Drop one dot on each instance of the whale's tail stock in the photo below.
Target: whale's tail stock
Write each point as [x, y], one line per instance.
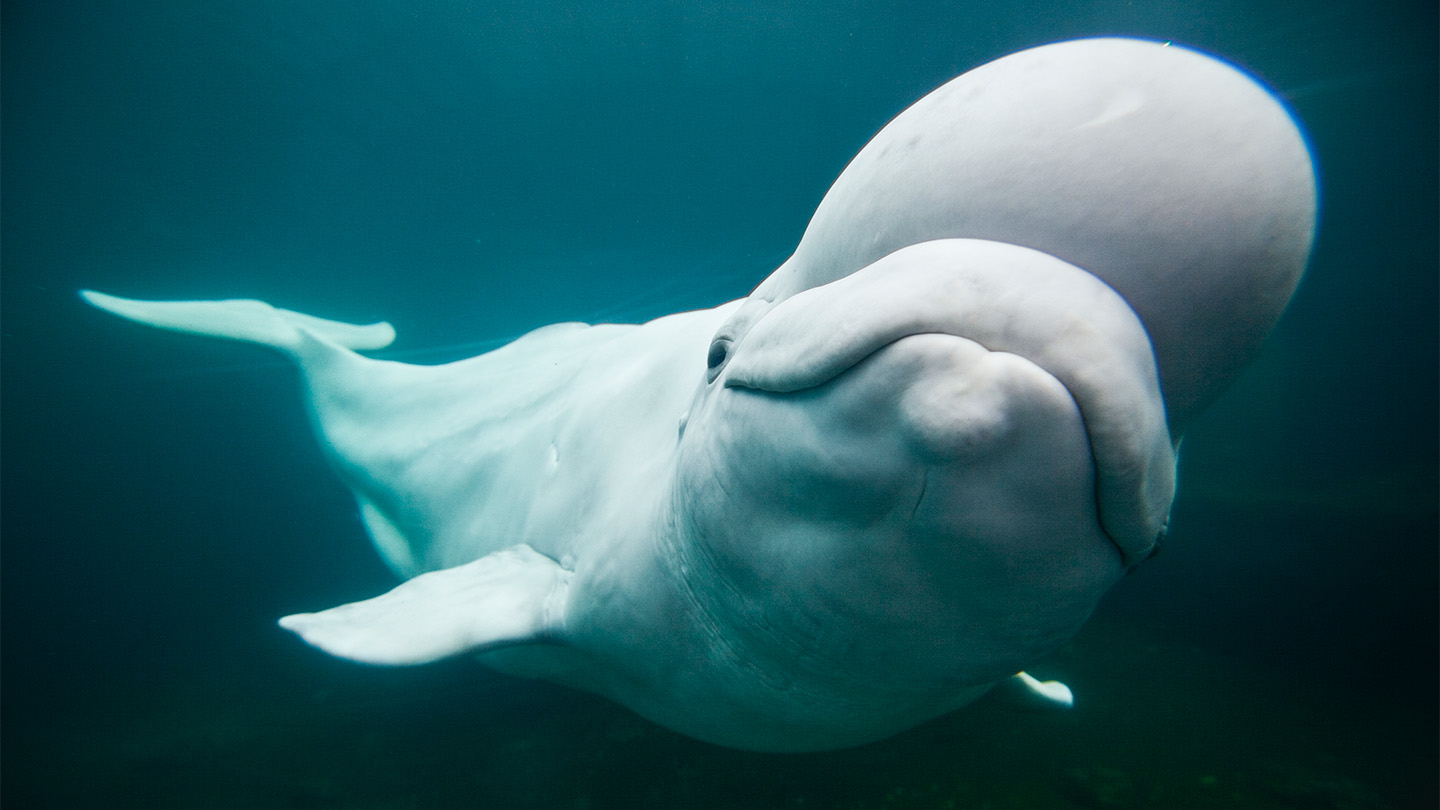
[512, 596]
[351, 397]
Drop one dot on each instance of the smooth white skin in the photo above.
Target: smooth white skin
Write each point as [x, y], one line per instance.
[904, 520]
[915, 461]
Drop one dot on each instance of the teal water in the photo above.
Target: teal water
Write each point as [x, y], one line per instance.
[469, 172]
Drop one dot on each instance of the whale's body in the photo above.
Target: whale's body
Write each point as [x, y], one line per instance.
[906, 466]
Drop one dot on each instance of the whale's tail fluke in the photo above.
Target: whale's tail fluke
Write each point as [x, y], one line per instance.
[358, 404]
[246, 320]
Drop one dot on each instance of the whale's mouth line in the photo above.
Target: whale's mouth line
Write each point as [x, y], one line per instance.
[836, 371]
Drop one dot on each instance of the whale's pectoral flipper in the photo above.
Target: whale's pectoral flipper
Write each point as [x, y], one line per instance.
[513, 596]
[1024, 692]
[247, 320]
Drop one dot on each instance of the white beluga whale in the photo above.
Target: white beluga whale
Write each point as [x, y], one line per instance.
[904, 468]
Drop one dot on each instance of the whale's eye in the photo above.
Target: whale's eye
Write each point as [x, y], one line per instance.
[718, 350]
[719, 353]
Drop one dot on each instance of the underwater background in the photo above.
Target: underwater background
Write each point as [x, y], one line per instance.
[470, 171]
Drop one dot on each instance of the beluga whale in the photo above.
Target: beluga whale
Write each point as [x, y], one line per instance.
[904, 468]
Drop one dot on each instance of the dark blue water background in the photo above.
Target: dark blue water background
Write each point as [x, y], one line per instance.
[472, 171]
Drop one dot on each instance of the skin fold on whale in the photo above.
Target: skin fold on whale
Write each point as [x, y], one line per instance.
[905, 467]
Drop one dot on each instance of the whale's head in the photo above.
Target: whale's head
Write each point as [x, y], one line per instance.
[939, 463]
[946, 425]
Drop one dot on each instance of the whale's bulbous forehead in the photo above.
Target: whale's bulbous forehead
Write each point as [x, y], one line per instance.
[1174, 177]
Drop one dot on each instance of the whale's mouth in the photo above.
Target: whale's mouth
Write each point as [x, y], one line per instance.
[1008, 299]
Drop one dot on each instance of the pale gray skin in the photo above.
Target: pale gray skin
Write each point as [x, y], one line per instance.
[907, 466]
